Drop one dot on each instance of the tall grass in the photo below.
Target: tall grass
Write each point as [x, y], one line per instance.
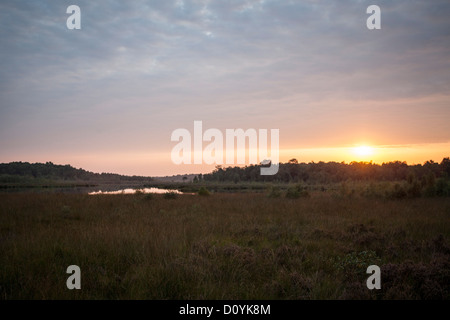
[225, 246]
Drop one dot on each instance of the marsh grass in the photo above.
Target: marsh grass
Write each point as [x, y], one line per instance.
[225, 246]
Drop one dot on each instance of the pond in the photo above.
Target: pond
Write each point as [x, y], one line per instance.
[91, 190]
[132, 191]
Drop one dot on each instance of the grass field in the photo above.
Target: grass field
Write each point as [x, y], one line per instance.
[223, 246]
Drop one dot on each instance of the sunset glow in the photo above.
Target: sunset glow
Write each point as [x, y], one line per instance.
[111, 102]
[363, 151]
[263, 150]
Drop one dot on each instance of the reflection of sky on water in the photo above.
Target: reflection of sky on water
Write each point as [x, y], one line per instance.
[131, 191]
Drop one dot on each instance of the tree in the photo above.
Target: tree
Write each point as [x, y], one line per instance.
[445, 165]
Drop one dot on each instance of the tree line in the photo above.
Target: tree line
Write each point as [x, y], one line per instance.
[10, 172]
[332, 172]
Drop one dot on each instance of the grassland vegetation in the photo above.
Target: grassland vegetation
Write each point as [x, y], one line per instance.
[226, 245]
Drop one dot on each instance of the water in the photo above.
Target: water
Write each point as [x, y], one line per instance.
[90, 190]
[132, 191]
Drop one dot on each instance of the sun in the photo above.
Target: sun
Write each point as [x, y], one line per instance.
[363, 151]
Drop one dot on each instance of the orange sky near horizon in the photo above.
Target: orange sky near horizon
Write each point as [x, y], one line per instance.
[108, 99]
[160, 164]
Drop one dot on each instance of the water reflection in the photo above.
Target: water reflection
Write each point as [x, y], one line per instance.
[132, 191]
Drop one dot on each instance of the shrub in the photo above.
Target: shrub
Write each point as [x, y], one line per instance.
[292, 193]
[345, 190]
[149, 196]
[203, 192]
[304, 193]
[414, 189]
[298, 191]
[442, 187]
[397, 192]
[357, 262]
[275, 192]
[170, 195]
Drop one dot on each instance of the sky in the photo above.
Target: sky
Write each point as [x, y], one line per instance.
[108, 96]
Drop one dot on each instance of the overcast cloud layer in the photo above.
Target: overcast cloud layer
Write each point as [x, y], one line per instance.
[137, 70]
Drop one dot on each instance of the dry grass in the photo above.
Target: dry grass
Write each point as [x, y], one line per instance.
[225, 246]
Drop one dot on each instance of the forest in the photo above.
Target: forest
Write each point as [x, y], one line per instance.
[392, 179]
[25, 172]
[333, 172]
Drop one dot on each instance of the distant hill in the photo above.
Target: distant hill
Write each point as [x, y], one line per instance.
[25, 172]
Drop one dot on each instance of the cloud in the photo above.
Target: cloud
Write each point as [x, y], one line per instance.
[145, 68]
